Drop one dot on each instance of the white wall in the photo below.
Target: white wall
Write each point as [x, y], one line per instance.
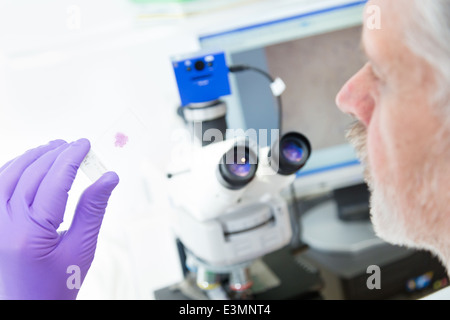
[83, 68]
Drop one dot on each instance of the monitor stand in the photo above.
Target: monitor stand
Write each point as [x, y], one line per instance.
[324, 230]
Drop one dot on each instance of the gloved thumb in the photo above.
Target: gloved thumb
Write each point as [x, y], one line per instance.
[89, 213]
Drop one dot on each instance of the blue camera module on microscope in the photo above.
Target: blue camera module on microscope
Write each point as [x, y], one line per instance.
[201, 77]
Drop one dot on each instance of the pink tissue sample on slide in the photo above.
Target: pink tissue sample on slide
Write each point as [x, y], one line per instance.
[121, 140]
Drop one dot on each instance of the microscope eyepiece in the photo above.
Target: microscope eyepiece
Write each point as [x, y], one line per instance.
[237, 167]
[291, 153]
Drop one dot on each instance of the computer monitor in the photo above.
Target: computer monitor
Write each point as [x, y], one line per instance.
[314, 49]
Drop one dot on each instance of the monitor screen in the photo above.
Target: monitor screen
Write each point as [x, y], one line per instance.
[314, 69]
[314, 53]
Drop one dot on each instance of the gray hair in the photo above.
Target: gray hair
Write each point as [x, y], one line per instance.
[429, 38]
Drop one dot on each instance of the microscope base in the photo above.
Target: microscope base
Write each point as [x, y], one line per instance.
[295, 280]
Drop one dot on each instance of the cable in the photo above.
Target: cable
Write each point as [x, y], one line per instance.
[241, 68]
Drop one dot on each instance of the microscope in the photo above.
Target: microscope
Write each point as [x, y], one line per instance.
[227, 208]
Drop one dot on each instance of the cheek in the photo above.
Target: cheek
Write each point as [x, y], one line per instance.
[390, 145]
[379, 144]
[375, 151]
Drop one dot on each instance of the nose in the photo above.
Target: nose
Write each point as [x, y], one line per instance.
[356, 96]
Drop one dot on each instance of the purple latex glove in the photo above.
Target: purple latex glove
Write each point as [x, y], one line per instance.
[36, 261]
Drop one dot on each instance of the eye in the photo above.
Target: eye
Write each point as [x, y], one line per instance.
[376, 74]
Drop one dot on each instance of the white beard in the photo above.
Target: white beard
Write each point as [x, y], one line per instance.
[414, 215]
[388, 217]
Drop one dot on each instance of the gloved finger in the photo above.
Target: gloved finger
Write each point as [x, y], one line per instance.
[51, 197]
[7, 164]
[11, 174]
[33, 175]
[89, 213]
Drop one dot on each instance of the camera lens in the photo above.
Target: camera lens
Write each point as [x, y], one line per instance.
[290, 154]
[199, 65]
[237, 168]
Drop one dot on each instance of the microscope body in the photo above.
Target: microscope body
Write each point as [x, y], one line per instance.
[227, 207]
[229, 227]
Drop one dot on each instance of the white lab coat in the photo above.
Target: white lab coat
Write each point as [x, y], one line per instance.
[443, 294]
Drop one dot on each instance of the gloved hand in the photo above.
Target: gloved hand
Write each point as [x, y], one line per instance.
[36, 261]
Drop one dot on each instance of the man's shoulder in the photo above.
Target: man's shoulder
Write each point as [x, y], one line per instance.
[443, 294]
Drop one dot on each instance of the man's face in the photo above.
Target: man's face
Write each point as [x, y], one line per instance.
[399, 134]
